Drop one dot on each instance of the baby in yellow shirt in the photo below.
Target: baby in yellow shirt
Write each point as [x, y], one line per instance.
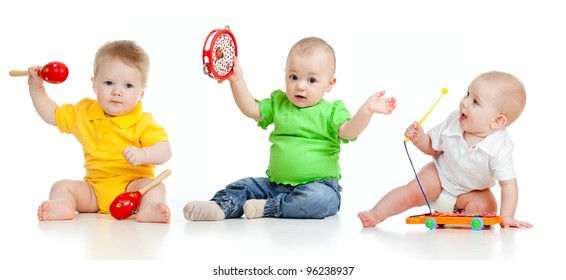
[121, 144]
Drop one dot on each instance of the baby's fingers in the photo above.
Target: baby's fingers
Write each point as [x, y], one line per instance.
[511, 222]
[128, 153]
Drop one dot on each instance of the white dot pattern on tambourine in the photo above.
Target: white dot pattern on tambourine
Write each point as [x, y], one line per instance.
[223, 53]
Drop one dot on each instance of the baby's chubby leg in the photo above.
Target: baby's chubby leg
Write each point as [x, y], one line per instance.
[66, 197]
[152, 208]
[404, 198]
[477, 201]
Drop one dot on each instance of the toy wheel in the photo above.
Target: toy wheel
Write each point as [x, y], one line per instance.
[476, 223]
[430, 223]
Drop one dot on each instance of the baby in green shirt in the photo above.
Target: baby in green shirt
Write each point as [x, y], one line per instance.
[303, 172]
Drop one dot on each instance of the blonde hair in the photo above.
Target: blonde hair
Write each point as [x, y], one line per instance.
[310, 45]
[128, 52]
[513, 97]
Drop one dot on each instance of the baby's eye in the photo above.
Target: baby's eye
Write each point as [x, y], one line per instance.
[108, 83]
[475, 101]
[129, 86]
[293, 77]
[312, 80]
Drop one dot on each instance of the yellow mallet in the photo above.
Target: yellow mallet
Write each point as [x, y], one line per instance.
[444, 91]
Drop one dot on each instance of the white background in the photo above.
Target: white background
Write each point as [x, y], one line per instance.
[411, 49]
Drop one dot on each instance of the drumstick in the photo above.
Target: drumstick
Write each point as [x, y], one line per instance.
[156, 181]
[444, 91]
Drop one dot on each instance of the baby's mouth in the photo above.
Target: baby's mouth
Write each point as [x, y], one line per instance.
[300, 97]
[463, 117]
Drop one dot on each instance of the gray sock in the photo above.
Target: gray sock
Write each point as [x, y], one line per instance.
[253, 208]
[203, 211]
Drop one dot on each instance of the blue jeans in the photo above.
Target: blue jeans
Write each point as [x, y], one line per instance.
[313, 200]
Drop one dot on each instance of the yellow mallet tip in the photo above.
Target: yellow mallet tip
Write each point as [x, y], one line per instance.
[444, 91]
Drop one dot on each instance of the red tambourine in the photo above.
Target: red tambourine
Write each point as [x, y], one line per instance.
[218, 54]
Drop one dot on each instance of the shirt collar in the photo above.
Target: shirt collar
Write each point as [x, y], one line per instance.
[494, 143]
[124, 121]
[491, 144]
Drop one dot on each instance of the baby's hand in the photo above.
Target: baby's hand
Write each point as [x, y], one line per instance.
[237, 72]
[135, 156]
[376, 104]
[512, 222]
[34, 81]
[415, 132]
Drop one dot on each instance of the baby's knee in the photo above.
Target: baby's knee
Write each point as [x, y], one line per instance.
[321, 192]
[62, 185]
[486, 204]
[323, 202]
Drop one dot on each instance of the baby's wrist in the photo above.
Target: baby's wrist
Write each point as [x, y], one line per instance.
[144, 155]
[36, 89]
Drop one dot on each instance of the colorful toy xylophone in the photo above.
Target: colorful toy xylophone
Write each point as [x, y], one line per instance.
[476, 220]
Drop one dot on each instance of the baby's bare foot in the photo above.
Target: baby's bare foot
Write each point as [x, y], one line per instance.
[154, 212]
[369, 218]
[203, 211]
[53, 210]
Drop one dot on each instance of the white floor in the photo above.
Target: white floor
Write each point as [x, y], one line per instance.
[95, 236]
[186, 249]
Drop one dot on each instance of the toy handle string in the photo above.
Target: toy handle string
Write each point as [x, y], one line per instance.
[444, 91]
[417, 178]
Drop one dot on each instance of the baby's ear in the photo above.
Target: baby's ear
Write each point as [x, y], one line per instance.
[331, 84]
[499, 122]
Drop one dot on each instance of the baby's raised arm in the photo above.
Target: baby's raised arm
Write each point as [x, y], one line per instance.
[44, 106]
[242, 96]
[358, 123]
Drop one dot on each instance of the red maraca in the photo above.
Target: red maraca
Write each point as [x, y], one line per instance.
[126, 204]
[54, 72]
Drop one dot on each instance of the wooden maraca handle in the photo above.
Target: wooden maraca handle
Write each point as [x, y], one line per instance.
[19, 73]
[156, 181]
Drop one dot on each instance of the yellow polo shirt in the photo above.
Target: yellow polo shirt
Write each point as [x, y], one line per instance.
[103, 139]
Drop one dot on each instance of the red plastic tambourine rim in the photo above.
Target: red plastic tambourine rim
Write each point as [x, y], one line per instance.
[218, 61]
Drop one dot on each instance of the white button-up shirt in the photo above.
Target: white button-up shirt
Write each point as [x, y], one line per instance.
[462, 168]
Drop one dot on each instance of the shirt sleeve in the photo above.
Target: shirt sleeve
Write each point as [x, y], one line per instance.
[338, 116]
[502, 164]
[152, 132]
[65, 117]
[266, 107]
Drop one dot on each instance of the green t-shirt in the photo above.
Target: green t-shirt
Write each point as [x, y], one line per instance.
[305, 142]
